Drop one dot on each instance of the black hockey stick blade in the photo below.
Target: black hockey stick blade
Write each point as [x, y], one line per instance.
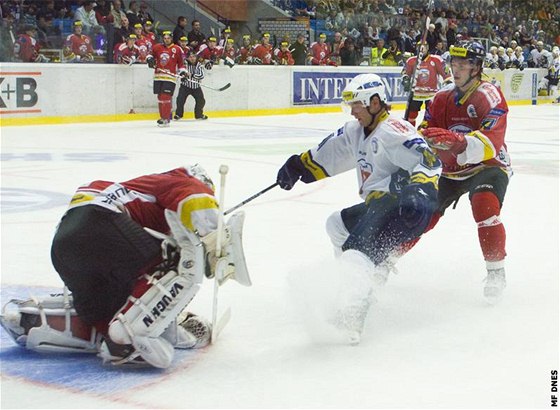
[225, 87]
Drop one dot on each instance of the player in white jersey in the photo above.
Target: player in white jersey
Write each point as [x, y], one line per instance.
[398, 181]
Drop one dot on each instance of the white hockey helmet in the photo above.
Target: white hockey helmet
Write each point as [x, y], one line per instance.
[362, 88]
[200, 173]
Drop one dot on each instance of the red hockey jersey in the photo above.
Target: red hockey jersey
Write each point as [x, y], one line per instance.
[168, 58]
[146, 198]
[26, 49]
[428, 75]
[481, 115]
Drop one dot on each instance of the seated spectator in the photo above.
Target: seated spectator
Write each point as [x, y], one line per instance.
[86, 15]
[118, 14]
[122, 33]
[78, 47]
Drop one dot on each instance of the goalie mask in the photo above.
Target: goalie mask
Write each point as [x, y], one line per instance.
[200, 173]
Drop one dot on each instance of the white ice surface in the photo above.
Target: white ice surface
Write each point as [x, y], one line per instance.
[430, 342]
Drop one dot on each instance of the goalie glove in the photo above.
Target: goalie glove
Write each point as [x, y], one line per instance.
[150, 60]
[443, 139]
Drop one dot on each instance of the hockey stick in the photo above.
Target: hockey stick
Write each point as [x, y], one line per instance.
[251, 198]
[419, 58]
[221, 264]
[222, 88]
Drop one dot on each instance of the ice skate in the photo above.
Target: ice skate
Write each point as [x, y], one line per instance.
[494, 286]
[162, 123]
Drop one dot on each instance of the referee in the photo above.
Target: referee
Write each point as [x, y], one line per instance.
[190, 85]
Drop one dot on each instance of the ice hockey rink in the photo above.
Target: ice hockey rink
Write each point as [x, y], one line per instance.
[431, 341]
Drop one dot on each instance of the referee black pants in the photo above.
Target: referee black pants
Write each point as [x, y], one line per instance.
[199, 101]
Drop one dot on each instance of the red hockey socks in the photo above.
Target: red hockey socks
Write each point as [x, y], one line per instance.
[491, 233]
[412, 115]
[164, 105]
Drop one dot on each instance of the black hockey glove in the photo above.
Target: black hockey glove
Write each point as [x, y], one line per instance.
[416, 205]
[208, 65]
[151, 62]
[291, 172]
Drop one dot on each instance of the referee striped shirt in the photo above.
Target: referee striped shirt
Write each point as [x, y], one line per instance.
[196, 75]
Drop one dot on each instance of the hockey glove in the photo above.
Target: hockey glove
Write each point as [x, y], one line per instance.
[406, 83]
[151, 62]
[417, 203]
[443, 139]
[208, 65]
[291, 172]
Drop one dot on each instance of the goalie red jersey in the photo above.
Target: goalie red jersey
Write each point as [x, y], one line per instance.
[427, 75]
[483, 121]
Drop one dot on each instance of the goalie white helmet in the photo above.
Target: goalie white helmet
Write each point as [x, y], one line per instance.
[200, 173]
[362, 88]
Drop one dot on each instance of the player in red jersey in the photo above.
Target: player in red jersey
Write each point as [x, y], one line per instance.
[126, 53]
[142, 42]
[133, 254]
[319, 52]
[466, 124]
[167, 59]
[245, 51]
[263, 52]
[432, 68]
[77, 47]
[26, 47]
[283, 55]
[208, 54]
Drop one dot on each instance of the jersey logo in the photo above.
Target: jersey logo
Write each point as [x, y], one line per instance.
[491, 94]
[429, 159]
[471, 111]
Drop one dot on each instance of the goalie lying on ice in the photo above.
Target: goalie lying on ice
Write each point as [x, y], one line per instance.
[134, 255]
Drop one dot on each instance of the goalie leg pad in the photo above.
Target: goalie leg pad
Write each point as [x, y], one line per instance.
[142, 320]
[48, 325]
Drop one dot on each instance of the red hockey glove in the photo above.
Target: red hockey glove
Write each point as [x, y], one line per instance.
[443, 139]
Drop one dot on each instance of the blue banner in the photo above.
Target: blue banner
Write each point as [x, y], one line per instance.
[320, 88]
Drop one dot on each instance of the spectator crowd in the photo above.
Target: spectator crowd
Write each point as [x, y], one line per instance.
[347, 32]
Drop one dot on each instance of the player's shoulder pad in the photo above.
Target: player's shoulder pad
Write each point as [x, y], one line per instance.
[490, 93]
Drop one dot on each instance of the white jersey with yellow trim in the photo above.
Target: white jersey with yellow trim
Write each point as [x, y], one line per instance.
[379, 158]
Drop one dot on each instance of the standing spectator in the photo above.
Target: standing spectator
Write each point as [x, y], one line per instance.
[190, 85]
[195, 36]
[78, 47]
[282, 55]
[469, 136]
[86, 15]
[392, 56]
[349, 55]
[167, 61]
[432, 37]
[26, 47]
[262, 53]
[299, 50]
[335, 46]
[180, 29]
[133, 13]
[144, 13]
[378, 52]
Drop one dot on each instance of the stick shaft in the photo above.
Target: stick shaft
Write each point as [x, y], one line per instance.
[251, 198]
